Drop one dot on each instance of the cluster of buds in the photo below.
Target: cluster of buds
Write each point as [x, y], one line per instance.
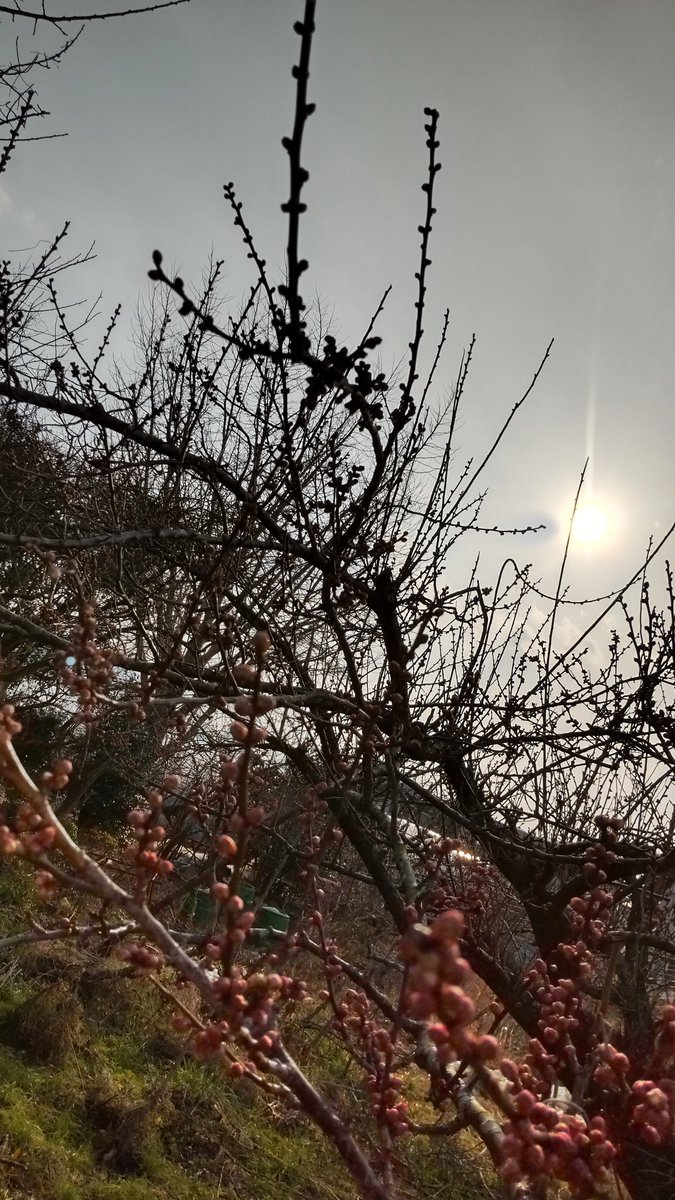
[612, 1068]
[231, 772]
[600, 857]
[610, 828]
[590, 912]
[312, 803]
[148, 834]
[331, 963]
[198, 804]
[313, 808]
[220, 796]
[388, 1106]
[363, 731]
[224, 796]
[439, 849]
[141, 959]
[58, 775]
[9, 843]
[467, 885]
[250, 734]
[589, 922]
[665, 1039]
[249, 1007]
[560, 1015]
[93, 667]
[537, 1072]
[653, 1114]
[436, 973]
[32, 834]
[251, 818]
[354, 1017]
[151, 683]
[46, 885]
[223, 629]
[247, 732]
[9, 726]
[541, 1141]
[209, 1042]
[254, 706]
[35, 833]
[560, 998]
[312, 851]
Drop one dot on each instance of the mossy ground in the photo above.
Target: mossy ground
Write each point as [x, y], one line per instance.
[100, 1101]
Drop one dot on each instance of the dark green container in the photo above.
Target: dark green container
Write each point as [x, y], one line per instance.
[205, 907]
[272, 918]
[200, 907]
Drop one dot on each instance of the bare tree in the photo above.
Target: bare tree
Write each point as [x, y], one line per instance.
[40, 42]
[253, 479]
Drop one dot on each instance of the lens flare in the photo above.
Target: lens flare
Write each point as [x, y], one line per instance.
[590, 524]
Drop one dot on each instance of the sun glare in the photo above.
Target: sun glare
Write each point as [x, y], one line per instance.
[591, 524]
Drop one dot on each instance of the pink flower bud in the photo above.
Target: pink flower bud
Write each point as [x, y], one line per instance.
[262, 642]
[226, 846]
[486, 1047]
[230, 769]
[255, 816]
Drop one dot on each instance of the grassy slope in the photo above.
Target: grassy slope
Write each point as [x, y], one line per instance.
[99, 1101]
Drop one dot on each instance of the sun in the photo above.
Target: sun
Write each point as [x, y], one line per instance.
[590, 524]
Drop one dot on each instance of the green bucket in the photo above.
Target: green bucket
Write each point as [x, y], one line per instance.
[204, 908]
[272, 918]
[200, 907]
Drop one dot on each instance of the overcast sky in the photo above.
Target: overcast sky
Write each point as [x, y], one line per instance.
[555, 209]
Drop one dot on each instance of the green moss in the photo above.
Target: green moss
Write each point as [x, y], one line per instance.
[124, 1057]
[175, 1185]
[66, 1191]
[13, 1072]
[17, 891]
[34, 1125]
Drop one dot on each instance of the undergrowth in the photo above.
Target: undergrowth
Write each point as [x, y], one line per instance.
[100, 1101]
